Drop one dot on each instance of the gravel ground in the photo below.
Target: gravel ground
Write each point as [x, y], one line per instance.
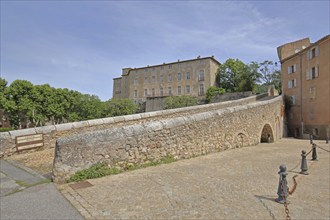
[40, 161]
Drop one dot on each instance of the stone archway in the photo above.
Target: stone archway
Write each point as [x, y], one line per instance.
[266, 132]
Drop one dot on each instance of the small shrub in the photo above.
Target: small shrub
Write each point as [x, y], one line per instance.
[96, 171]
[6, 129]
[101, 169]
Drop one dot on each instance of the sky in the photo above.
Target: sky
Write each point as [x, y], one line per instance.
[83, 45]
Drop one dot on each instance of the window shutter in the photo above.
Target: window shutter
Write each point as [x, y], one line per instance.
[316, 71]
[289, 84]
[307, 74]
[289, 69]
[308, 52]
[295, 83]
[295, 68]
[317, 51]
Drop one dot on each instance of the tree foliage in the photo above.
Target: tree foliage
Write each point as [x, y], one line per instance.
[179, 101]
[212, 91]
[236, 76]
[26, 105]
[117, 107]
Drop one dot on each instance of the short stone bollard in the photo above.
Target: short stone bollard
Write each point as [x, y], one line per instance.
[304, 166]
[268, 138]
[314, 153]
[327, 139]
[282, 190]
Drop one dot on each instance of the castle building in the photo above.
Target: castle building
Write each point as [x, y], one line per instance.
[306, 80]
[189, 77]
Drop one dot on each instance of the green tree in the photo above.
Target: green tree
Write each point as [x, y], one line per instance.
[19, 102]
[117, 107]
[236, 76]
[212, 91]
[179, 101]
[270, 74]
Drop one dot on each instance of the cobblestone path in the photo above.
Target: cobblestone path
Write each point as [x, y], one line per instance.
[234, 184]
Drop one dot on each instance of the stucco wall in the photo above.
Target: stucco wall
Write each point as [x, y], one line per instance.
[52, 132]
[182, 136]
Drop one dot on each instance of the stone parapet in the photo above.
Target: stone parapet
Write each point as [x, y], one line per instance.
[181, 136]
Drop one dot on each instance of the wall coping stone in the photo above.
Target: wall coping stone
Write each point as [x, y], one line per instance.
[108, 120]
[64, 127]
[45, 129]
[80, 124]
[21, 132]
[95, 122]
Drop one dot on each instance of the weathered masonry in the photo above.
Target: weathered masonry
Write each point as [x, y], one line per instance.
[52, 132]
[202, 130]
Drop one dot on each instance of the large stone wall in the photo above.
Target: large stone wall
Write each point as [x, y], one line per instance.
[182, 136]
[52, 132]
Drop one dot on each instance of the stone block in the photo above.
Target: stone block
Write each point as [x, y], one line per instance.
[119, 118]
[80, 124]
[153, 126]
[132, 117]
[21, 132]
[95, 122]
[109, 120]
[134, 130]
[45, 129]
[173, 122]
[64, 127]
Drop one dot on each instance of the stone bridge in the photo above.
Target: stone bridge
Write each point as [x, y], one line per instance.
[181, 133]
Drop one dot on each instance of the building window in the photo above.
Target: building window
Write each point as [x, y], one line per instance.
[293, 100]
[312, 93]
[161, 91]
[179, 90]
[146, 69]
[153, 92]
[201, 75]
[313, 52]
[162, 67]
[312, 73]
[169, 77]
[179, 76]
[201, 89]
[170, 66]
[292, 83]
[146, 79]
[153, 79]
[135, 93]
[187, 76]
[145, 92]
[187, 89]
[170, 90]
[292, 69]
[136, 82]
[161, 78]
[153, 68]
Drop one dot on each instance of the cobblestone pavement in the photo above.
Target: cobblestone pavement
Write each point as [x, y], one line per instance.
[234, 184]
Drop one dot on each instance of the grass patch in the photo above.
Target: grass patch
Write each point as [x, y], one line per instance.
[101, 169]
[96, 171]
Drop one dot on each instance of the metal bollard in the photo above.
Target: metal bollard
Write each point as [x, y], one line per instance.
[314, 153]
[282, 190]
[304, 166]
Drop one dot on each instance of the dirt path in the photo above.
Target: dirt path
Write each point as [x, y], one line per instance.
[40, 161]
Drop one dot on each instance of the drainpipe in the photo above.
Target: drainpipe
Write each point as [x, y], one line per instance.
[301, 98]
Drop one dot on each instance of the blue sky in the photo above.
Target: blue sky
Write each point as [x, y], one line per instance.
[83, 45]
